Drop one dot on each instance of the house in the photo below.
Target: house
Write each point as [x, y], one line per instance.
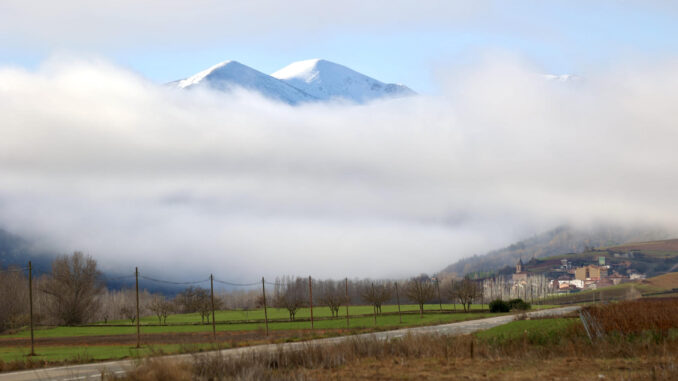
[590, 272]
[616, 278]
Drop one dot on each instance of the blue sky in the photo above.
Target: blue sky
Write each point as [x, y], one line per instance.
[395, 41]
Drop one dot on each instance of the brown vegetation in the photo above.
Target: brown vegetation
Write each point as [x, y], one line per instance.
[637, 316]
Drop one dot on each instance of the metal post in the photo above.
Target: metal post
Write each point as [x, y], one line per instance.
[310, 298]
[30, 298]
[400, 316]
[136, 274]
[348, 301]
[263, 289]
[214, 325]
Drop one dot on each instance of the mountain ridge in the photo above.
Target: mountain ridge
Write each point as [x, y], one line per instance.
[327, 80]
[315, 80]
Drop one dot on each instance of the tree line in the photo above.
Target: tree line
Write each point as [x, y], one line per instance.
[74, 293]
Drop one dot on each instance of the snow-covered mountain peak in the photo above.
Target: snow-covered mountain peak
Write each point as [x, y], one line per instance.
[299, 82]
[229, 75]
[328, 80]
[310, 70]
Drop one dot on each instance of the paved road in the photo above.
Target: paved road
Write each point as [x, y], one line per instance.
[93, 371]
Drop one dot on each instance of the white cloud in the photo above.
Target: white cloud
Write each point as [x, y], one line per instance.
[95, 158]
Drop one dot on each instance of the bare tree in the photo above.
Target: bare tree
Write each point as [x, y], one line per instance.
[420, 291]
[332, 296]
[161, 307]
[195, 299]
[376, 295]
[73, 287]
[14, 298]
[466, 291]
[204, 304]
[129, 312]
[290, 294]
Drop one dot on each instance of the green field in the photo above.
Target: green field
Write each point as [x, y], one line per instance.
[539, 331]
[361, 319]
[355, 322]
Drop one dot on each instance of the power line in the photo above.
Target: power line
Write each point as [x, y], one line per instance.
[117, 278]
[236, 284]
[172, 282]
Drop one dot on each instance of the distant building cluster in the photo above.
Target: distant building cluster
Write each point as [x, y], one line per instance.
[570, 278]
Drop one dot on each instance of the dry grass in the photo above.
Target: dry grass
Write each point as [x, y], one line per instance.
[638, 316]
[665, 281]
[435, 357]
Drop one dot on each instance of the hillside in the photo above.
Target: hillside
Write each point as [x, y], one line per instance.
[558, 241]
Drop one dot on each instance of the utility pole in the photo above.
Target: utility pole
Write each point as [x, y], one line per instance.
[310, 298]
[214, 325]
[400, 316]
[348, 301]
[30, 298]
[136, 275]
[263, 289]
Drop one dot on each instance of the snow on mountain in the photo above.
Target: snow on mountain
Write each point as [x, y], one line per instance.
[229, 75]
[327, 80]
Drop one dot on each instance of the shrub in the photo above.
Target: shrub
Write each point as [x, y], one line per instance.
[519, 305]
[499, 306]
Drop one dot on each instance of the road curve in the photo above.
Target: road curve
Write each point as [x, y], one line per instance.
[91, 372]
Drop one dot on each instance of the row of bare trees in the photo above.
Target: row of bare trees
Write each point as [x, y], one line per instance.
[74, 292]
[292, 293]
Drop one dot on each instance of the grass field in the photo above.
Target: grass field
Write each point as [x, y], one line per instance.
[543, 329]
[302, 313]
[77, 346]
[340, 323]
